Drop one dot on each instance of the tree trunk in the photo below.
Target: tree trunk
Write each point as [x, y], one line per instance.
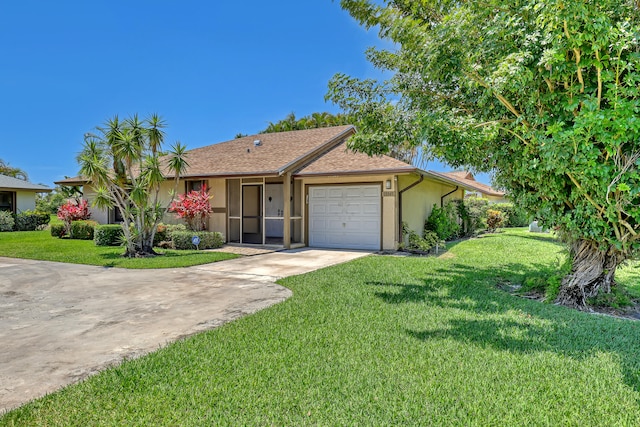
[592, 272]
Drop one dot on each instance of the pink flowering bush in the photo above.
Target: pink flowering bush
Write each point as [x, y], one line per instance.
[73, 211]
[194, 208]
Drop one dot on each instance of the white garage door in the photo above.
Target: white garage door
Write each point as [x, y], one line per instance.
[346, 217]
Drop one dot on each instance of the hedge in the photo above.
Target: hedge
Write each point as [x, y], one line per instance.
[208, 239]
[57, 230]
[164, 232]
[108, 235]
[83, 229]
[31, 221]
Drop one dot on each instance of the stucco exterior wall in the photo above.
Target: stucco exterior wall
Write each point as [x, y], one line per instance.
[388, 205]
[99, 215]
[25, 201]
[417, 202]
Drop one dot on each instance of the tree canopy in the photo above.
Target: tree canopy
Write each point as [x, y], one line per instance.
[543, 94]
[8, 170]
[312, 121]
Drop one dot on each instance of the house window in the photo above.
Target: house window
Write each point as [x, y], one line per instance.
[7, 201]
[194, 185]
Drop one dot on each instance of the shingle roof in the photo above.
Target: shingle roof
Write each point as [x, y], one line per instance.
[305, 152]
[276, 153]
[342, 161]
[10, 183]
[466, 179]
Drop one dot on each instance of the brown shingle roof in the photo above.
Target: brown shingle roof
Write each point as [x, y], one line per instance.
[277, 152]
[305, 152]
[342, 161]
[466, 179]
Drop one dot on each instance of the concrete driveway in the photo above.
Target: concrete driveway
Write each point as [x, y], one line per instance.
[60, 323]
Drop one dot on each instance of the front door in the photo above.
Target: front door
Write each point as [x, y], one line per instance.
[252, 214]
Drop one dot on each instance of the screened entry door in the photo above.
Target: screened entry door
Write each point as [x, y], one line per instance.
[252, 214]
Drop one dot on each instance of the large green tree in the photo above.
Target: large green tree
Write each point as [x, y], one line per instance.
[543, 93]
[126, 165]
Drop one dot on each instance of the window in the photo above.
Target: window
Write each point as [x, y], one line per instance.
[194, 185]
[7, 201]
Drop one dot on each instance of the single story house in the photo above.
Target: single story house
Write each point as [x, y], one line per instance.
[17, 195]
[305, 188]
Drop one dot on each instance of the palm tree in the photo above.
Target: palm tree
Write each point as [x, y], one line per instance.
[8, 170]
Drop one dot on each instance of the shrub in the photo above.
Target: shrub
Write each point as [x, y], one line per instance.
[161, 234]
[495, 219]
[193, 207]
[474, 214]
[73, 211]
[443, 221]
[208, 239]
[164, 232]
[6, 221]
[513, 216]
[83, 229]
[420, 243]
[31, 220]
[108, 235]
[58, 230]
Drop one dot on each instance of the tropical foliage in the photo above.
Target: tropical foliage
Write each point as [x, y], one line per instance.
[194, 208]
[8, 170]
[126, 165]
[545, 94]
[73, 211]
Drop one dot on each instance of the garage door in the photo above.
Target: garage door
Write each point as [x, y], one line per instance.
[346, 217]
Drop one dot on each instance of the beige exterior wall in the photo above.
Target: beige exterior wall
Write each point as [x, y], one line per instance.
[389, 201]
[97, 214]
[25, 201]
[417, 202]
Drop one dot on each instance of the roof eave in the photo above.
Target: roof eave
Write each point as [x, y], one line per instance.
[33, 190]
[401, 171]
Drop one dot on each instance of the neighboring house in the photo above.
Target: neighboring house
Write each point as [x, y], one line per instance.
[17, 195]
[304, 188]
[474, 188]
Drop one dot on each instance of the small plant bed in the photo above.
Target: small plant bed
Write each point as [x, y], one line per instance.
[40, 245]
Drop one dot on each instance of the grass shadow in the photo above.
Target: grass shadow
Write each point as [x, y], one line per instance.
[494, 318]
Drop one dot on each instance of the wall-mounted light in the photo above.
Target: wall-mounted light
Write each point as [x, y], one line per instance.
[387, 184]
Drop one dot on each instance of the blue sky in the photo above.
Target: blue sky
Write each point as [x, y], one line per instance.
[211, 69]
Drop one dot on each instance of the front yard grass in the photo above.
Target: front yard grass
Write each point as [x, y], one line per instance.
[383, 340]
[40, 245]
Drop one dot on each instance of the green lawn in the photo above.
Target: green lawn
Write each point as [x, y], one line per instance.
[40, 245]
[379, 341]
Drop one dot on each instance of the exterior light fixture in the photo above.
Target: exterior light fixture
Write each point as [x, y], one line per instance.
[387, 184]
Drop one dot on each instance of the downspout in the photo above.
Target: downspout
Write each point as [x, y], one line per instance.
[400, 201]
[450, 192]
